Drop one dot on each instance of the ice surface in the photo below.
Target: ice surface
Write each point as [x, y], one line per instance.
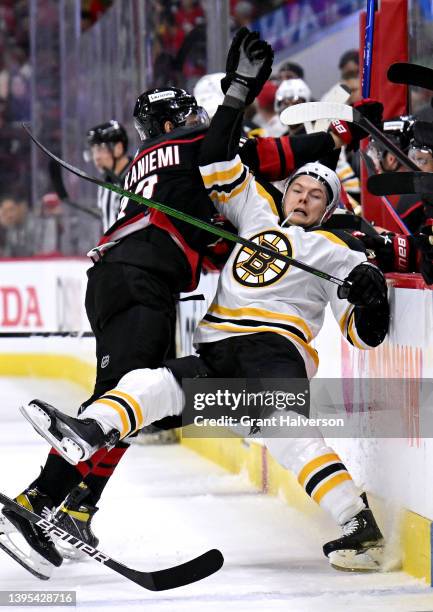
[165, 505]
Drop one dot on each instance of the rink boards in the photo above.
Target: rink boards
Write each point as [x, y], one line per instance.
[398, 472]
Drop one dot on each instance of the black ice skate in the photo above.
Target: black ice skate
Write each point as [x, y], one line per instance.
[361, 546]
[75, 516]
[75, 439]
[42, 555]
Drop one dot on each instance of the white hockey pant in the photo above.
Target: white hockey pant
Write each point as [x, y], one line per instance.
[144, 396]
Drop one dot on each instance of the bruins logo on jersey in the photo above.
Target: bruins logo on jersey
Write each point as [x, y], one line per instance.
[253, 269]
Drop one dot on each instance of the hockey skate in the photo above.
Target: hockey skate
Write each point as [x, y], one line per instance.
[75, 516]
[25, 542]
[74, 439]
[361, 547]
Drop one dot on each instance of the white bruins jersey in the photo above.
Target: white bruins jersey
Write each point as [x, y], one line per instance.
[257, 293]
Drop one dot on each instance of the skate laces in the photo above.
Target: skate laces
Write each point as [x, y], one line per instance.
[47, 514]
[351, 526]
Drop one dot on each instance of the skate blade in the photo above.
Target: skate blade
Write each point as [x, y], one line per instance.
[370, 560]
[41, 422]
[31, 560]
[70, 552]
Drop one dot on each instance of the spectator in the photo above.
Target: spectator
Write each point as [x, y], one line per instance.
[243, 14]
[349, 74]
[19, 100]
[349, 64]
[267, 117]
[21, 231]
[289, 93]
[290, 70]
[189, 15]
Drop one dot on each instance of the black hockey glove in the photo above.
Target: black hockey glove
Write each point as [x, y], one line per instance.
[352, 134]
[248, 67]
[391, 252]
[367, 286]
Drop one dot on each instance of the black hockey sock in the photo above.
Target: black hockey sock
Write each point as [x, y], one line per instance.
[57, 478]
[102, 472]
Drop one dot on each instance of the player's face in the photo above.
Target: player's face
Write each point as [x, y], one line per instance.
[102, 156]
[422, 158]
[305, 201]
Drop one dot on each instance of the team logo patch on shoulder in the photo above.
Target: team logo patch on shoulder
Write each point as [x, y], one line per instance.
[253, 269]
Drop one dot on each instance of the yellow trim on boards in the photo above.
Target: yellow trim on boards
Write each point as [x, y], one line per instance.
[46, 365]
[234, 455]
[239, 456]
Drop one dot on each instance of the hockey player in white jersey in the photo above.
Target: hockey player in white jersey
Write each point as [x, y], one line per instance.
[261, 322]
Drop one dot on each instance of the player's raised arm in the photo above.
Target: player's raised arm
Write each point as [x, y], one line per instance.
[249, 64]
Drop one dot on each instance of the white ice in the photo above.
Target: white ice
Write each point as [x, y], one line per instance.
[166, 504]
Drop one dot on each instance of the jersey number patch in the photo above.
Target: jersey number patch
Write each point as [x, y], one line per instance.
[253, 269]
[145, 188]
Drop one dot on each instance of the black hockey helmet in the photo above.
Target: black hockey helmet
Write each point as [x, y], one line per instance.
[422, 136]
[108, 133]
[399, 130]
[156, 106]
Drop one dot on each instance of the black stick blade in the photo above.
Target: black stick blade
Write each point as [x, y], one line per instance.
[403, 73]
[174, 577]
[401, 183]
[160, 580]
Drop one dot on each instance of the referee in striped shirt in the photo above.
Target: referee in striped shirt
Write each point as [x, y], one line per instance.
[107, 146]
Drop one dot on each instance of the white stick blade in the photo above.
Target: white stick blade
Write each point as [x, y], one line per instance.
[338, 94]
[312, 111]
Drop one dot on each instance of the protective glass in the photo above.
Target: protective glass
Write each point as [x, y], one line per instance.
[421, 156]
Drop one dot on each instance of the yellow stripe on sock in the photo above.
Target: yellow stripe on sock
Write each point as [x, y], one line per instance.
[120, 411]
[330, 484]
[133, 403]
[314, 464]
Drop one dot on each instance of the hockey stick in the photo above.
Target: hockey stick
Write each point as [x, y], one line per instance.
[311, 111]
[160, 580]
[368, 49]
[339, 93]
[59, 187]
[371, 171]
[404, 73]
[190, 219]
[401, 182]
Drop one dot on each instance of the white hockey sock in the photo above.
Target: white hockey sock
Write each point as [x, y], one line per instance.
[320, 472]
[140, 398]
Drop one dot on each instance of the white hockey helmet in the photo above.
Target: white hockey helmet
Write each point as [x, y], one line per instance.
[207, 92]
[327, 177]
[291, 89]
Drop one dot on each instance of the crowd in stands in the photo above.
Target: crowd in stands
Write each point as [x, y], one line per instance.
[179, 58]
[15, 76]
[179, 46]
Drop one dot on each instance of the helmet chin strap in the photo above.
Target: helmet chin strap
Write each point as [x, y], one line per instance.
[287, 219]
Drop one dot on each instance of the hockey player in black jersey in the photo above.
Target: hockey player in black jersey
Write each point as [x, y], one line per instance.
[107, 148]
[145, 258]
[131, 413]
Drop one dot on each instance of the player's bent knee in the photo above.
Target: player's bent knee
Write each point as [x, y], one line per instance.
[156, 391]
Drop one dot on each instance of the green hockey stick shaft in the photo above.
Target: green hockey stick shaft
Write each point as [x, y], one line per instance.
[182, 216]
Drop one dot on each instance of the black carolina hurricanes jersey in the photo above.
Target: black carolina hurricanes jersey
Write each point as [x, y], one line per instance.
[165, 170]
